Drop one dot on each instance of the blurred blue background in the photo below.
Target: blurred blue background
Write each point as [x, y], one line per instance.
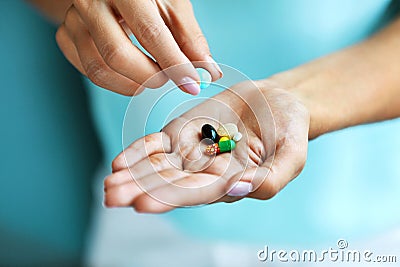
[48, 148]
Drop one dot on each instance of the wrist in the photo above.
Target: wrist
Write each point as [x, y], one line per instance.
[302, 88]
[353, 86]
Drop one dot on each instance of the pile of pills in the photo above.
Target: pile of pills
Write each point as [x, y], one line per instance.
[224, 138]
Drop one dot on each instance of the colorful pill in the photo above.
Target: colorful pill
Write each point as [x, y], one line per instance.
[224, 138]
[207, 131]
[225, 146]
[212, 149]
[205, 78]
[228, 129]
[237, 137]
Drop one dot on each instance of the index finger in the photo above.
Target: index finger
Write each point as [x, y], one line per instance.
[147, 25]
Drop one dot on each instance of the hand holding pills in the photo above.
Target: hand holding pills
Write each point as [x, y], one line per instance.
[95, 39]
[248, 141]
[223, 138]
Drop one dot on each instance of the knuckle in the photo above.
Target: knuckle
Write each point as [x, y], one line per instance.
[141, 207]
[196, 42]
[149, 33]
[301, 163]
[96, 72]
[148, 139]
[108, 182]
[268, 188]
[118, 163]
[201, 40]
[81, 4]
[113, 179]
[271, 191]
[113, 55]
[158, 161]
[70, 17]
[68, 20]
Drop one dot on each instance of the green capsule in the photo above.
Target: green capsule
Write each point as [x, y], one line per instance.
[226, 146]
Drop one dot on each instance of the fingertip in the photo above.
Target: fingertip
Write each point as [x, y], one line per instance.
[208, 63]
[118, 163]
[214, 69]
[147, 204]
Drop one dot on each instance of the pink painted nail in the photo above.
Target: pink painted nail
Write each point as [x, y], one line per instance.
[190, 85]
[240, 189]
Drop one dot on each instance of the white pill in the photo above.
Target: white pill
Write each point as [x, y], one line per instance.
[237, 137]
[228, 129]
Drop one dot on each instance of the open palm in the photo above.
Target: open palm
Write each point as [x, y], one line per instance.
[165, 170]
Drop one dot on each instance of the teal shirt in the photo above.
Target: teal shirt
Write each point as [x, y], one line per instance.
[350, 185]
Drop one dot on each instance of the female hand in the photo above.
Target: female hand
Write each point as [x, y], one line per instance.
[166, 170]
[94, 38]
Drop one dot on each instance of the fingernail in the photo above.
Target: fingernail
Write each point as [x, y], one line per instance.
[212, 61]
[240, 189]
[190, 86]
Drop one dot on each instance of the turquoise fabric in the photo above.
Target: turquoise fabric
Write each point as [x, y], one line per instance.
[48, 147]
[351, 183]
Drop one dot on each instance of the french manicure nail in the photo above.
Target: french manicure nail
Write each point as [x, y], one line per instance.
[240, 189]
[190, 85]
[212, 61]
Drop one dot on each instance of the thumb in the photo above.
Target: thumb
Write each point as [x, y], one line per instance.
[250, 182]
[187, 33]
[265, 181]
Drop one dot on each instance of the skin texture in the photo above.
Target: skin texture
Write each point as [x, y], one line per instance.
[94, 37]
[360, 84]
[196, 178]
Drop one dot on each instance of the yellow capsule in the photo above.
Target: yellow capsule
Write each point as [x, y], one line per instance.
[224, 138]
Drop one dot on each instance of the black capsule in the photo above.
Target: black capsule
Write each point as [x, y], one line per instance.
[207, 131]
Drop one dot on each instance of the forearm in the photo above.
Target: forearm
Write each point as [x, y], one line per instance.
[357, 85]
[53, 9]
